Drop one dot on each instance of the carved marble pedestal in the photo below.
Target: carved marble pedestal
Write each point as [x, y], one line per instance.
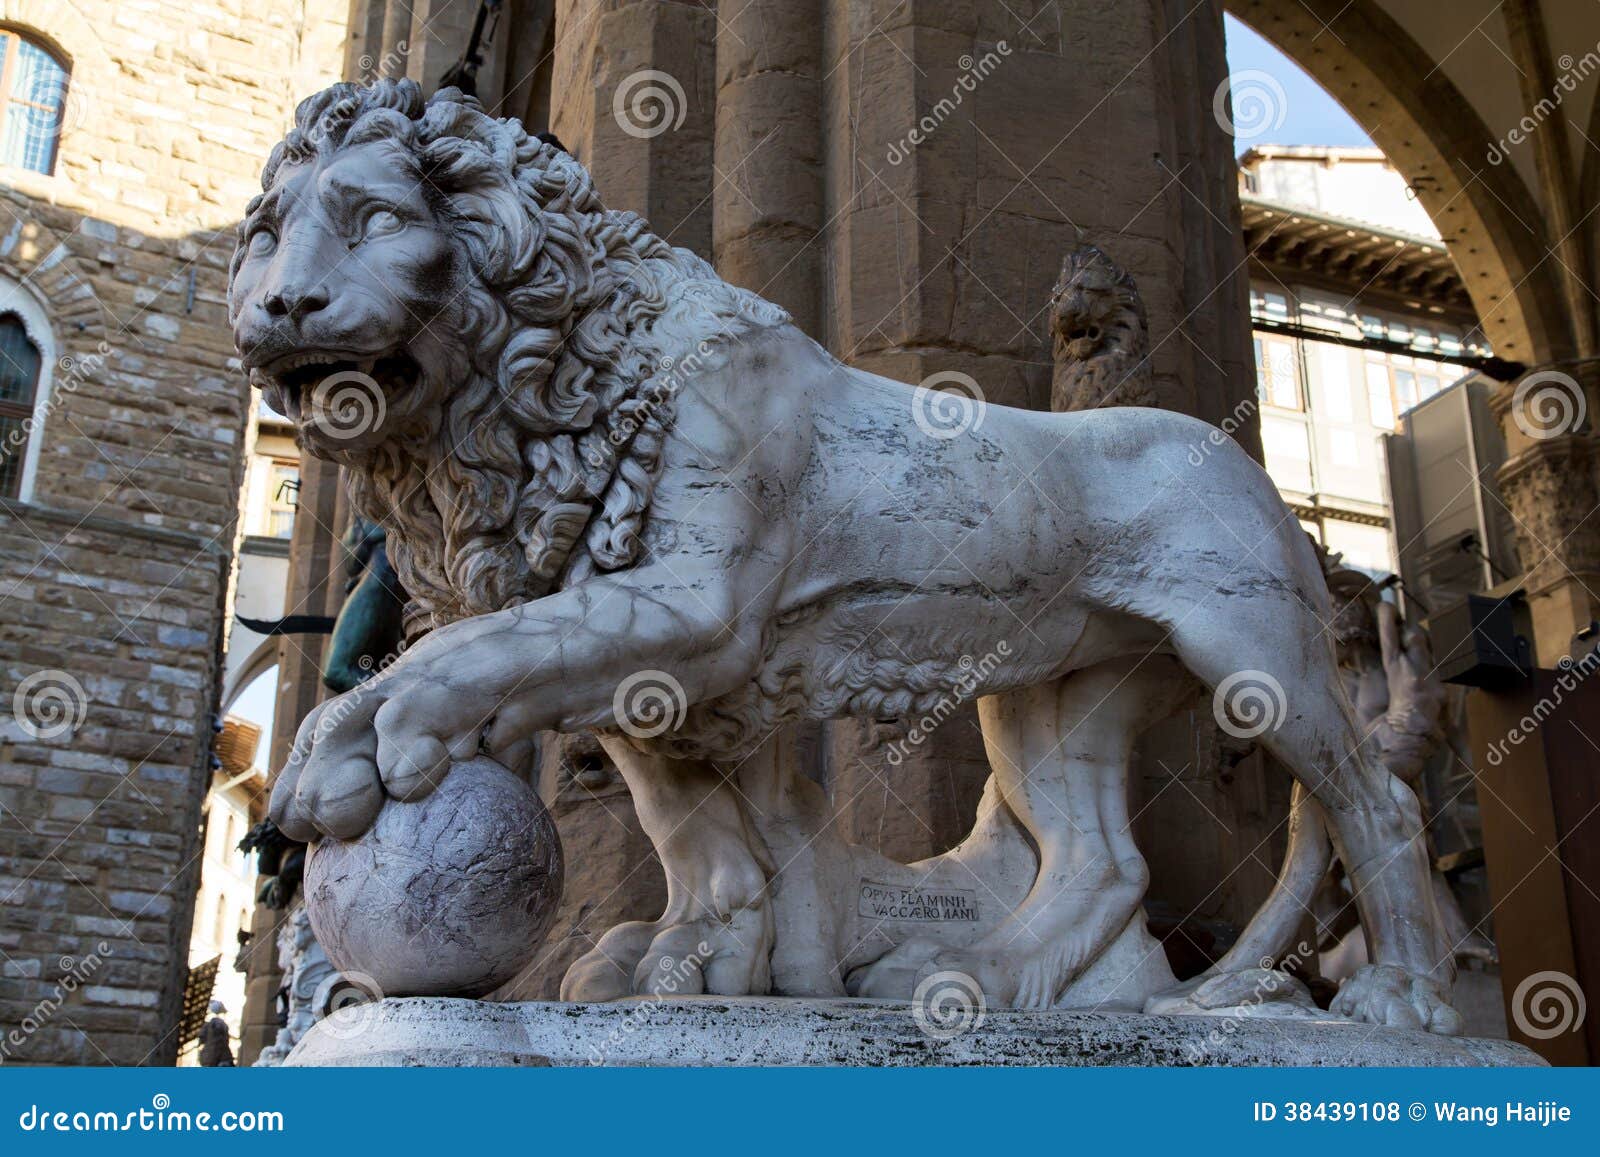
[776, 1031]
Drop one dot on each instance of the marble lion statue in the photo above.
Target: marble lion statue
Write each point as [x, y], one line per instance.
[626, 496]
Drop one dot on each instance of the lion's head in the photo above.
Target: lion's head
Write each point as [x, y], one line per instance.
[1095, 306]
[442, 305]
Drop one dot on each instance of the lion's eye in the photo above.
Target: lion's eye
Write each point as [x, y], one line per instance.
[380, 222]
[263, 241]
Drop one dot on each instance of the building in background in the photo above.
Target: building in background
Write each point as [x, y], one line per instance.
[226, 897]
[223, 928]
[1359, 314]
[131, 136]
[267, 505]
[1377, 429]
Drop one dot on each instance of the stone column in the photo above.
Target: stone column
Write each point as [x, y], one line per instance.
[768, 202]
[633, 96]
[1550, 481]
[967, 149]
[1551, 485]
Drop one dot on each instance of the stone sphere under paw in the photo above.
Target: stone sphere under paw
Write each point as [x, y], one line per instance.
[450, 895]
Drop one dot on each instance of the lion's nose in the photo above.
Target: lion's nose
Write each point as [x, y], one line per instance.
[295, 301]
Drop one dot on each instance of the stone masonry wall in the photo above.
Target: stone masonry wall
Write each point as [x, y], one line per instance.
[113, 572]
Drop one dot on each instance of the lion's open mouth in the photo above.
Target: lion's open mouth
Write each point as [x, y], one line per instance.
[297, 374]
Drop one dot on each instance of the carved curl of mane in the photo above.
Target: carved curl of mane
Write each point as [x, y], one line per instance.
[533, 465]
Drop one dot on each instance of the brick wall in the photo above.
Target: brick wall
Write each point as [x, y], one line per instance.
[113, 573]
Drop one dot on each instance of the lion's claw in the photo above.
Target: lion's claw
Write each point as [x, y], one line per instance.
[391, 739]
[729, 957]
[1386, 994]
[725, 957]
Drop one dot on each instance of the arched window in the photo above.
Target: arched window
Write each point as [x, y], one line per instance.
[20, 361]
[33, 101]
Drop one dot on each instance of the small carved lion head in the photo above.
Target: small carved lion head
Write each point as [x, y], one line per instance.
[1095, 306]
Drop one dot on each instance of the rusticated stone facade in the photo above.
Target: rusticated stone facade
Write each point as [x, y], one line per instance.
[115, 558]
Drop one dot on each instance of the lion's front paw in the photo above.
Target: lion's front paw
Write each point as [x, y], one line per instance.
[1387, 994]
[329, 785]
[393, 738]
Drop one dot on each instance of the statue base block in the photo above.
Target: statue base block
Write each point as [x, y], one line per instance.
[420, 1031]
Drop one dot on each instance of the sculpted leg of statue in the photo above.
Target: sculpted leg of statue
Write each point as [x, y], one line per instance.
[1060, 753]
[1388, 676]
[716, 934]
[1373, 819]
[1024, 935]
[598, 463]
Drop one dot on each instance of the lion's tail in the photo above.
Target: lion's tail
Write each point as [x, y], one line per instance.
[1272, 929]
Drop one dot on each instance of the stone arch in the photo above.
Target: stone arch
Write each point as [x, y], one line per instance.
[62, 314]
[1488, 217]
[261, 660]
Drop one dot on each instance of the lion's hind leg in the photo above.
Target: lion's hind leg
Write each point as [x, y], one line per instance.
[1275, 675]
[1060, 755]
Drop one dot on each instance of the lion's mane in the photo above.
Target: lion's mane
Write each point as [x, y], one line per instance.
[530, 463]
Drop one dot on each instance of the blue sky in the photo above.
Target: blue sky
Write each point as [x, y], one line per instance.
[1310, 115]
